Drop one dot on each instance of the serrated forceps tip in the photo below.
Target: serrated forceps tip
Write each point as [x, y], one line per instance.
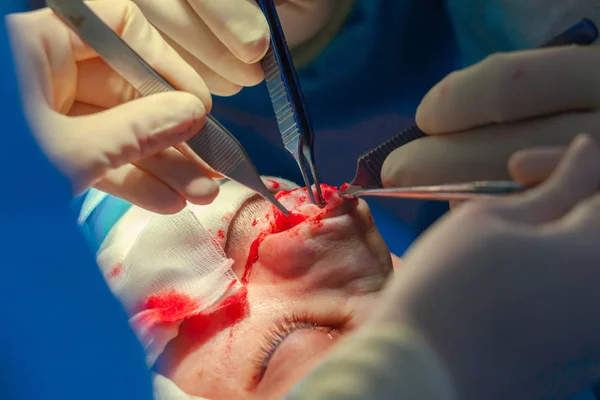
[292, 116]
[214, 144]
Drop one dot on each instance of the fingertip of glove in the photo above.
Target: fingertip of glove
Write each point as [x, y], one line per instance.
[253, 39]
[201, 191]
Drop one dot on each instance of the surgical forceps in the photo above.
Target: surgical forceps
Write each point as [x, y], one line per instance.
[367, 181]
[288, 102]
[214, 144]
[446, 192]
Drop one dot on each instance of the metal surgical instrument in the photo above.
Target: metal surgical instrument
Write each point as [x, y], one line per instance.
[213, 144]
[288, 102]
[455, 191]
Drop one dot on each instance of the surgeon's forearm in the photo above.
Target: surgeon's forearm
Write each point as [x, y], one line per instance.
[380, 362]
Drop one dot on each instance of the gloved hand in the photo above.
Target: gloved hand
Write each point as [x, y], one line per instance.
[479, 116]
[506, 291]
[224, 39]
[91, 125]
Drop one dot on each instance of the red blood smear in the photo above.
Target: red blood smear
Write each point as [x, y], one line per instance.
[115, 271]
[344, 187]
[301, 200]
[221, 234]
[284, 193]
[252, 257]
[253, 384]
[227, 313]
[255, 222]
[170, 307]
[282, 223]
[274, 184]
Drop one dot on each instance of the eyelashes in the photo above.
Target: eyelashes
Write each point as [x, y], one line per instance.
[283, 328]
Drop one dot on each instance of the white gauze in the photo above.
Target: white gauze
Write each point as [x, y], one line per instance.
[166, 268]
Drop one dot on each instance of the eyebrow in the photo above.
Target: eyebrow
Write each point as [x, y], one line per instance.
[233, 225]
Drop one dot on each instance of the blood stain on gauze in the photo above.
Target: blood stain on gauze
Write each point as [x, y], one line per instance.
[169, 307]
[272, 185]
[115, 271]
[171, 270]
[301, 209]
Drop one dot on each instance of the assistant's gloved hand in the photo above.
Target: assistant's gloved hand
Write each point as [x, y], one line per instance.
[92, 125]
[479, 116]
[225, 39]
[505, 290]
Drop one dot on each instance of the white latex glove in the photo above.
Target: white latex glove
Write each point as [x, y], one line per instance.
[506, 291]
[224, 39]
[479, 116]
[92, 125]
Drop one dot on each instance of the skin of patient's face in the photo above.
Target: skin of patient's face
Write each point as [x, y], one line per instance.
[311, 285]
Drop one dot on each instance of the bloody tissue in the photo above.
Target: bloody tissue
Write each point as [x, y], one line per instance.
[296, 201]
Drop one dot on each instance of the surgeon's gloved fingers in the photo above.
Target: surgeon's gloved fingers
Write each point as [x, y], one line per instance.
[446, 159]
[532, 166]
[180, 174]
[217, 84]
[239, 24]
[585, 216]
[576, 178]
[396, 262]
[481, 153]
[138, 187]
[134, 130]
[79, 109]
[454, 204]
[179, 21]
[128, 21]
[513, 86]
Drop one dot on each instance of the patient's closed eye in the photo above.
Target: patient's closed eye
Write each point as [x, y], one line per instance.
[293, 340]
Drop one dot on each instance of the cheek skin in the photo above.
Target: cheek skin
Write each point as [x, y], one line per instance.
[222, 367]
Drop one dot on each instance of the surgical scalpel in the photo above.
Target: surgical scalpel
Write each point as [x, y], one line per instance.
[213, 144]
[367, 180]
[286, 95]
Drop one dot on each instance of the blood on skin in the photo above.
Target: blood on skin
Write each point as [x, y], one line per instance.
[344, 187]
[226, 314]
[280, 223]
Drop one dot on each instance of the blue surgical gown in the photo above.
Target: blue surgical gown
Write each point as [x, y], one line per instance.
[63, 336]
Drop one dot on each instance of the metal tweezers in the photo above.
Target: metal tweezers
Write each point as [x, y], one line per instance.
[288, 102]
[367, 181]
[214, 144]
